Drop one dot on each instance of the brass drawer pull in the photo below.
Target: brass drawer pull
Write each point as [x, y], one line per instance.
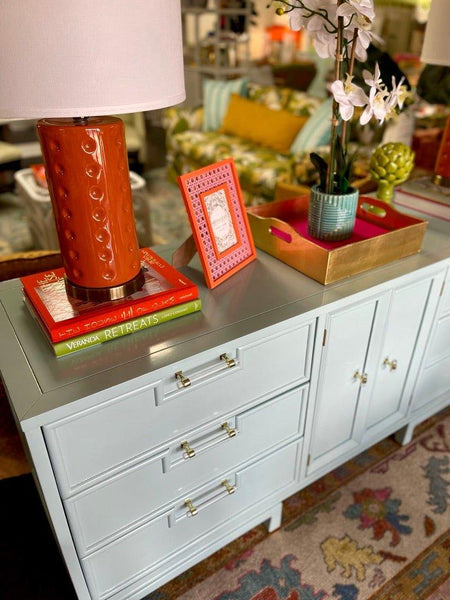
[185, 381]
[230, 488]
[362, 378]
[190, 452]
[230, 362]
[392, 364]
[191, 507]
[230, 431]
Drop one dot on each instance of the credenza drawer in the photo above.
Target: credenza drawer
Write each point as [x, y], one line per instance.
[95, 444]
[136, 555]
[205, 453]
[440, 342]
[433, 382]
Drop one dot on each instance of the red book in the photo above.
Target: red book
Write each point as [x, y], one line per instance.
[64, 319]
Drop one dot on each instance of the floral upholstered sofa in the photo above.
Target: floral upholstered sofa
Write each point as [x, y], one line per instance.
[195, 137]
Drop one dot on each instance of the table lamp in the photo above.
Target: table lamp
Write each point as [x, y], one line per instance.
[70, 65]
[436, 51]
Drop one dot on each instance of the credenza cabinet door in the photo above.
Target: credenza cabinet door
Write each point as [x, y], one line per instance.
[389, 398]
[342, 381]
[370, 357]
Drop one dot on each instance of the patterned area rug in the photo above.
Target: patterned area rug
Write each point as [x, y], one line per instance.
[168, 215]
[375, 528]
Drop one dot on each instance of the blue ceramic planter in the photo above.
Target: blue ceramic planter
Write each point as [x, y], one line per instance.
[331, 217]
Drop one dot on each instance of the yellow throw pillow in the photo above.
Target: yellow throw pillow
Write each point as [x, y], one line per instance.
[275, 129]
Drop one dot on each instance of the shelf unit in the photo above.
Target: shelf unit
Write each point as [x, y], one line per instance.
[223, 54]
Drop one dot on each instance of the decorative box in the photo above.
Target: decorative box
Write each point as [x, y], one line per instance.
[381, 235]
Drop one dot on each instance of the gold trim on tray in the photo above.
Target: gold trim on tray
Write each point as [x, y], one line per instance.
[273, 234]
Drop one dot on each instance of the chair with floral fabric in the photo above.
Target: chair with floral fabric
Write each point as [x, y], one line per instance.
[190, 145]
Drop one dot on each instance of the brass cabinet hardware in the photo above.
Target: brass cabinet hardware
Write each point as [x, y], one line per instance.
[392, 364]
[185, 381]
[190, 452]
[230, 431]
[191, 507]
[362, 378]
[230, 362]
[230, 488]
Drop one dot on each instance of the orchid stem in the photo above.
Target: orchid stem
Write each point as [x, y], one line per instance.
[350, 73]
[334, 117]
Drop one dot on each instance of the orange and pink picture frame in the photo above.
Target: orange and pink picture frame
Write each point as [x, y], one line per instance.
[219, 223]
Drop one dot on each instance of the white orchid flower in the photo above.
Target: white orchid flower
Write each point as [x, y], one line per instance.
[297, 20]
[301, 17]
[348, 95]
[377, 107]
[399, 93]
[325, 44]
[362, 8]
[365, 35]
[375, 79]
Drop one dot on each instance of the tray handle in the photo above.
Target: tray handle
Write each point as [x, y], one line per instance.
[383, 214]
[276, 227]
[279, 233]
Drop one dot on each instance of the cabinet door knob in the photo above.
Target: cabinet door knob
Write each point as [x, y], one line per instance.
[190, 452]
[392, 364]
[185, 381]
[361, 377]
[191, 507]
[230, 362]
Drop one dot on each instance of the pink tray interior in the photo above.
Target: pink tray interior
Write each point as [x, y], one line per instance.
[363, 230]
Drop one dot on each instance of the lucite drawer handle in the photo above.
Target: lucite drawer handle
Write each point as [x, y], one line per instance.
[227, 485]
[361, 377]
[230, 431]
[216, 494]
[230, 362]
[392, 364]
[190, 452]
[191, 507]
[185, 381]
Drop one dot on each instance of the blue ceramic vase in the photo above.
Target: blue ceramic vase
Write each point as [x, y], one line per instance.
[331, 217]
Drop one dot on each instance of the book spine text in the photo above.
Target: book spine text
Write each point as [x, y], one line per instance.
[125, 328]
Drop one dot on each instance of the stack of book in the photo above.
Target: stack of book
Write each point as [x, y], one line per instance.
[425, 196]
[72, 325]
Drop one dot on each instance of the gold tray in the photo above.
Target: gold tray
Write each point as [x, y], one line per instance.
[382, 234]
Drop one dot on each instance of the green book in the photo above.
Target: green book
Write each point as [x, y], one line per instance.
[106, 334]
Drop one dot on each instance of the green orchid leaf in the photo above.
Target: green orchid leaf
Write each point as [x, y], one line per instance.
[321, 167]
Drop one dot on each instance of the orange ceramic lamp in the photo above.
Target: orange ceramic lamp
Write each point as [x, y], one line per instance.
[88, 178]
[88, 61]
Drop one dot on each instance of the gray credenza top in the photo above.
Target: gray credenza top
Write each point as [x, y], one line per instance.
[263, 294]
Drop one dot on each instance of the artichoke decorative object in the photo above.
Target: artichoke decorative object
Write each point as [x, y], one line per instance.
[390, 164]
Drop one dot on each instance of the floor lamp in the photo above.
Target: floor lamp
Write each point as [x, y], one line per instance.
[70, 65]
[436, 51]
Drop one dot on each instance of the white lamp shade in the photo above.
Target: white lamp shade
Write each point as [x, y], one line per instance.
[436, 45]
[76, 58]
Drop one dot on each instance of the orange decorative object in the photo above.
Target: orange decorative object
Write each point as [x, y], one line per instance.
[89, 184]
[442, 166]
[213, 199]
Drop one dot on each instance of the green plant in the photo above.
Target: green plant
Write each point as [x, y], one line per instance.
[342, 29]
